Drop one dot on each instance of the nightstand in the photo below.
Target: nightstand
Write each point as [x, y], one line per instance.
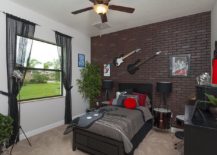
[162, 118]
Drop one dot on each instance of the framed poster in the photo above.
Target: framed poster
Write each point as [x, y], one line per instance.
[107, 70]
[81, 60]
[179, 65]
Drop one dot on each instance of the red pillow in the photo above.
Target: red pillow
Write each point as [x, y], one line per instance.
[142, 98]
[130, 103]
[110, 101]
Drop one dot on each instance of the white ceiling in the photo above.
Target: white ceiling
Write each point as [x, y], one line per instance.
[147, 11]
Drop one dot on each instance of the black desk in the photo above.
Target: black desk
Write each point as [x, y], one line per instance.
[199, 139]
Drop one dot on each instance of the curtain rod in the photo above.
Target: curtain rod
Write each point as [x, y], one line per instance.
[2, 11]
[34, 23]
[18, 17]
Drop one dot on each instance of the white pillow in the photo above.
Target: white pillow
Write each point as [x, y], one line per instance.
[118, 93]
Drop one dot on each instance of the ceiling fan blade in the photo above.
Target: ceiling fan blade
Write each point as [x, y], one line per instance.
[103, 18]
[93, 1]
[121, 8]
[82, 10]
[106, 2]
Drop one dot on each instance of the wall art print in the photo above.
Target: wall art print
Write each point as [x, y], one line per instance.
[107, 70]
[81, 60]
[180, 65]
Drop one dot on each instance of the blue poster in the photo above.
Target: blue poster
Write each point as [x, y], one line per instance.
[81, 60]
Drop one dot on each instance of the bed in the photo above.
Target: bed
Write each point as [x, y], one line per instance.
[97, 144]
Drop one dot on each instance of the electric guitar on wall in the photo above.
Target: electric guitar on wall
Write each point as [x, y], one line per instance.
[119, 60]
[132, 68]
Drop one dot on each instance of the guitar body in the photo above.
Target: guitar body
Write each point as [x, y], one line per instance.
[115, 61]
[118, 60]
[132, 68]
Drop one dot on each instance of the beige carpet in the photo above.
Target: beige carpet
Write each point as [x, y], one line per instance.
[53, 142]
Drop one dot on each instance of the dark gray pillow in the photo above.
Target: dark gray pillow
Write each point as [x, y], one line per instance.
[120, 100]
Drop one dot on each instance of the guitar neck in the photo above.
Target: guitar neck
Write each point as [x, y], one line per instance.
[144, 61]
[129, 54]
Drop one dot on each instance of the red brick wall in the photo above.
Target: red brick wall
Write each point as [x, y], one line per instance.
[185, 35]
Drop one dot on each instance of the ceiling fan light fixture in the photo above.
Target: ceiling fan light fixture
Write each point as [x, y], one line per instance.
[100, 8]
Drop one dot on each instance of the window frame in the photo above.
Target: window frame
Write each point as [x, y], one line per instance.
[41, 69]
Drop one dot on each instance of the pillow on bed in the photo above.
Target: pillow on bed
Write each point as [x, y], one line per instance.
[111, 101]
[118, 93]
[114, 101]
[130, 103]
[136, 97]
[121, 99]
[141, 98]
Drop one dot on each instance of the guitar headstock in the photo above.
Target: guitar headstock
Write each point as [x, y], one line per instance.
[158, 53]
[137, 50]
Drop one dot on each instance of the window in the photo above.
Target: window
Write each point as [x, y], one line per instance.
[43, 66]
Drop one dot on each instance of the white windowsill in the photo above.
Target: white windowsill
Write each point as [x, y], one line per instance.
[42, 99]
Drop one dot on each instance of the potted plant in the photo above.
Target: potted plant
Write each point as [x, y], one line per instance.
[90, 83]
[212, 104]
[5, 130]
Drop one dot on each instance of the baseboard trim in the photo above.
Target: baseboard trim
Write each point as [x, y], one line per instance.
[41, 130]
[45, 128]
[174, 129]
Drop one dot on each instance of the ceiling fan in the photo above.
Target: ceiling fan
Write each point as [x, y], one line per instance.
[101, 7]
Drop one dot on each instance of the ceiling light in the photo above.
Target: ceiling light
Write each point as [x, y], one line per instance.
[100, 8]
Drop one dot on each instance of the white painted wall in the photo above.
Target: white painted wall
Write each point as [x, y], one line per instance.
[213, 26]
[39, 114]
[3, 70]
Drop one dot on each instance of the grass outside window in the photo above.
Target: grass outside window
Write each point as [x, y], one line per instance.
[34, 91]
[43, 69]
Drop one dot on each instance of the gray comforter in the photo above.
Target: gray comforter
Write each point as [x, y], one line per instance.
[121, 124]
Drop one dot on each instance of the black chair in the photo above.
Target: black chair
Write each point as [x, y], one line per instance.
[179, 135]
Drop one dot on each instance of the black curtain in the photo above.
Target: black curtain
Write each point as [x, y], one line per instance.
[65, 42]
[15, 26]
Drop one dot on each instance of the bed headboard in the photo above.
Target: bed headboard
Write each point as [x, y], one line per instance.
[138, 87]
